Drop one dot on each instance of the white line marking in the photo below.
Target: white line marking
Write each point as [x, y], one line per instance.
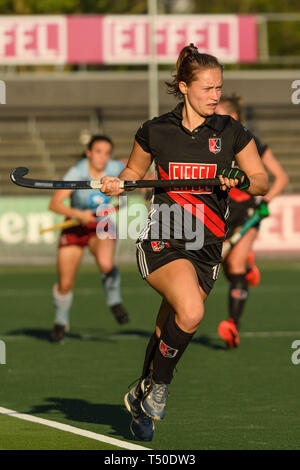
[86, 291]
[73, 430]
[257, 334]
[83, 291]
[134, 337]
[246, 334]
[269, 334]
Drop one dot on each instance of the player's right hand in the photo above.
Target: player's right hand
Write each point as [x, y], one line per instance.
[86, 217]
[111, 186]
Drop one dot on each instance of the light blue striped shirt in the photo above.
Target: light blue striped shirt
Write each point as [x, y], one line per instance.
[90, 198]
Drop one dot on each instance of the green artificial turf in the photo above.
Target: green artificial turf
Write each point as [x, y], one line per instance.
[17, 434]
[247, 398]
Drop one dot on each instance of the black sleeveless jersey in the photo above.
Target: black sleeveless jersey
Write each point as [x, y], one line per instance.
[181, 154]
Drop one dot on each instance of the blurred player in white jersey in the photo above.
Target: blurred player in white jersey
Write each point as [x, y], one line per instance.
[84, 206]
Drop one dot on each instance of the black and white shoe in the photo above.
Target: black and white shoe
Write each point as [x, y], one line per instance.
[154, 398]
[141, 426]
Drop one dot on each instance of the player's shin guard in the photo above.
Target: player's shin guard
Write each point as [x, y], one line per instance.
[62, 305]
[238, 294]
[171, 345]
[112, 286]
[147, 366]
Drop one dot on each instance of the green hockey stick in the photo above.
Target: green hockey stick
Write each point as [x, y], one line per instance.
[258, 215]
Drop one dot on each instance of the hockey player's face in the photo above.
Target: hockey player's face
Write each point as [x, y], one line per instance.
[205, 91]
[99, 154]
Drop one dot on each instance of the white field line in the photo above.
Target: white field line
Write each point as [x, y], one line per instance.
[246, 334]
[255, 334]
[86, 291]
[269, 334]
[134, 337]
[73, 430]
[83, 291]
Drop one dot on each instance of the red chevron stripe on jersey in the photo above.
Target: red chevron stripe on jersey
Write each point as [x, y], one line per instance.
[208, 212]
[197, 208]
[198, 211]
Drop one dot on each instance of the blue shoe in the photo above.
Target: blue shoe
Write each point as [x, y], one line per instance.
[142, 426]
[154, 398]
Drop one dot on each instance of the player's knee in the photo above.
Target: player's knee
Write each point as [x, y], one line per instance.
[190, 315]
[105, 266]
[65, 286]
[235, 266]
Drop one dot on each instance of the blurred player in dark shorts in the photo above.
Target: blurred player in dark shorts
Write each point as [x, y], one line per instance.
[239, 265]
[84, 206]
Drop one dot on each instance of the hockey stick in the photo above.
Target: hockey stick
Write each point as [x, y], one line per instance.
[17, 177]
[75, 222]
[259, 214]
[63, 225]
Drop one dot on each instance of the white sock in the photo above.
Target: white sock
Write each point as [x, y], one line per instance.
[112, 286]
[62, 304]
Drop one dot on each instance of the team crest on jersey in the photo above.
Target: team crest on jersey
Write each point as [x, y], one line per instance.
[159, 245]
[215, 145]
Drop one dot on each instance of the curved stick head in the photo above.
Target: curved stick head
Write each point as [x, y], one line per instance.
[18, 173]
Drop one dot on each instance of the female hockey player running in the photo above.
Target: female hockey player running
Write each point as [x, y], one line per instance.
[190, 141]
[84, 205]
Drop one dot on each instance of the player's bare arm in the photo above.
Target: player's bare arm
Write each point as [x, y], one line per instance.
[56, 205]
[249, 161]
[137, 167]
[281, 179]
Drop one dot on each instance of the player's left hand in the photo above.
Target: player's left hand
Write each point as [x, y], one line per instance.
[233, 177]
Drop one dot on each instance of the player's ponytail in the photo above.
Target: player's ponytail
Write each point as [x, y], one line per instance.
[189, 62]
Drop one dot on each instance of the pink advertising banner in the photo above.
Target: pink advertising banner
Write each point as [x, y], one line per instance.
[231, 38]
[280, 232]
[33, 39]
[120, 39]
